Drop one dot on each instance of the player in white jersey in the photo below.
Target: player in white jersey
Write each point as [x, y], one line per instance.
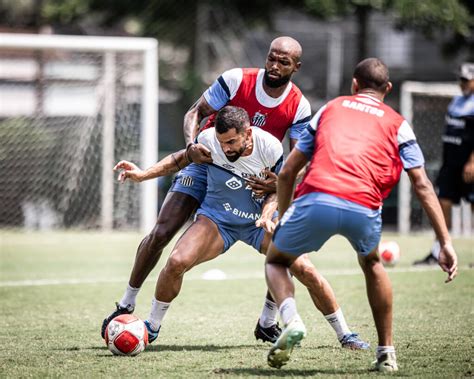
[230, 208]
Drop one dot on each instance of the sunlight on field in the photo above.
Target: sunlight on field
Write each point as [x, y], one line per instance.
[58, 287]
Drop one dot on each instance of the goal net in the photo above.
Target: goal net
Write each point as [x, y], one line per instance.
[424, 105]
[70, 107]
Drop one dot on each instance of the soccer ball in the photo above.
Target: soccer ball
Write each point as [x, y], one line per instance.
[126, 335]
[389, 252]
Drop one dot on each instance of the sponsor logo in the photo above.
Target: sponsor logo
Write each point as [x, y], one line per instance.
[456, 122]
[452, 140]
[241, 214]
[228, 166]
[234, 183]
[259, 119]
[186, 181]
[363, 108]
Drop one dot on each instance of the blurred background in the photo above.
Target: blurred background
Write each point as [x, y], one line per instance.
[51, 102]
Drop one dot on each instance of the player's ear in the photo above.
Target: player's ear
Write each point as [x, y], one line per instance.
[389, 88]
[354, 86]
[297, 66]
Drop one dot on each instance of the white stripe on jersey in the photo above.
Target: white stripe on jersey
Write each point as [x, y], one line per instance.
[405, 133]
[267, 150]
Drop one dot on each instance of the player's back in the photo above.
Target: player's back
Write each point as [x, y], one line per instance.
[228, 196]
[356, 153]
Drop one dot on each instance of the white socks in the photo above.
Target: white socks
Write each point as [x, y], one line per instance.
[269, 314]
[338, 323]
[435, 250]
[129, 297]
[384, 350]
[157, 313]
[288, 310]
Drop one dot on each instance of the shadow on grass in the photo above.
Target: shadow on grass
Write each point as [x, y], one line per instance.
[286, 372]
[208, 348]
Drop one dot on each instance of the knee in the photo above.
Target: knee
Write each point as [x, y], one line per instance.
[370, 262]
[160, 236]
[308, 275]
[177, 264]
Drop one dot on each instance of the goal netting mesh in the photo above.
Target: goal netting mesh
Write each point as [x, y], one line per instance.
[55, 106]
[424, 105]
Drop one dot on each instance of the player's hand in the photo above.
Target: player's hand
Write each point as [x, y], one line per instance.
[448, 261]
[128, 170]
[198, 153]
[468, 172]
[267, 224]
[262, 187]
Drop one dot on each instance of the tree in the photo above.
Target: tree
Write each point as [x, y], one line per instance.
[428, 16]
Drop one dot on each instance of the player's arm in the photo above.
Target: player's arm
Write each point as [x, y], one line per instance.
[413, 162]
[287, 179]
[167, 166]
[192, 120]
[266, 220]
[429, 201]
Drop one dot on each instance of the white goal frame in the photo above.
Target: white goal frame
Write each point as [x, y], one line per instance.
[149, 111]
[460, 215]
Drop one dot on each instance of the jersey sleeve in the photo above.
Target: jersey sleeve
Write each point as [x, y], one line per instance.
[206, 137]
[302, 118]
[306, 141]
[410, 152]
[224, 88]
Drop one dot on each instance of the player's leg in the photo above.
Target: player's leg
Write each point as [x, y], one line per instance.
[187, 192]
[200, 243]
[363, 229]
[280, 284]
[379, 292]
[176, 210]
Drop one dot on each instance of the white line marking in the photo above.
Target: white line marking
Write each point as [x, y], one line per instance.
[249, 275]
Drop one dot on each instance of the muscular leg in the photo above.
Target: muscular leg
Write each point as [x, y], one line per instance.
[379, 292]
[175, 211]
[200, 243]
[318, 287]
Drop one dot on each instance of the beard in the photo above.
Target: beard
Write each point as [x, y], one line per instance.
[275, 83]
[236, 155]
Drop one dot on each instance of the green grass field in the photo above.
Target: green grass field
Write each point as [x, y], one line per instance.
[57, 288]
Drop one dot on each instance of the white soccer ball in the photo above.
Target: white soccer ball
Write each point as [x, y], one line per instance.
[389, 252]
[126, 335]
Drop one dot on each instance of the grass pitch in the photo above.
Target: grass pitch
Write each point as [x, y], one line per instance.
[56, 289]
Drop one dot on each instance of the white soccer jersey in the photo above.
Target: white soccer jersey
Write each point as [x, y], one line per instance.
[228, 197]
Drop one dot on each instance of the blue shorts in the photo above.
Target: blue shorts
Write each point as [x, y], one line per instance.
[314, 218]
[191, 180]
[251, 235]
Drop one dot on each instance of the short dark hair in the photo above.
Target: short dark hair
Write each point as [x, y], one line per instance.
[372, 73]
[231, 117]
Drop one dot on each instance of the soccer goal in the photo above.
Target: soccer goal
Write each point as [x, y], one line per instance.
[70, 107]
[424, 106]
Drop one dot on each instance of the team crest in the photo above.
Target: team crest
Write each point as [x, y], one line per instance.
[259, 119]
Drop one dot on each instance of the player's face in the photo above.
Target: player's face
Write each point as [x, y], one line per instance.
[467, 86]
[233, 144]
[279, 68]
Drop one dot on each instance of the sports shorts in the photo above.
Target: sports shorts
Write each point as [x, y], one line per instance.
[314, 218]
[451, 185]
[191, 180]
[250, 234]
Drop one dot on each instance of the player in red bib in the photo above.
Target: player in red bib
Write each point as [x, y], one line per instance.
[357, 147]
[274, 104]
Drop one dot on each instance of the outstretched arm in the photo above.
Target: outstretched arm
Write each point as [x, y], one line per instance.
[287, 178]
[192, 119]
[429, 201]
[168, 165]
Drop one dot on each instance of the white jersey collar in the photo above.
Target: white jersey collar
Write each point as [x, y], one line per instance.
[263, 98]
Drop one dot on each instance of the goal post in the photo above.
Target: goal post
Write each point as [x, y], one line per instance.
[424, 106]
[98, 89]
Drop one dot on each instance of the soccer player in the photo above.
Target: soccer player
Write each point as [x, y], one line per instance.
[456, 176]
[276, 105]
[230, 208]
[357, 147]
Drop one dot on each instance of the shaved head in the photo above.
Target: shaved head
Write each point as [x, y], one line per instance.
[288, 46]
[372, 73]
